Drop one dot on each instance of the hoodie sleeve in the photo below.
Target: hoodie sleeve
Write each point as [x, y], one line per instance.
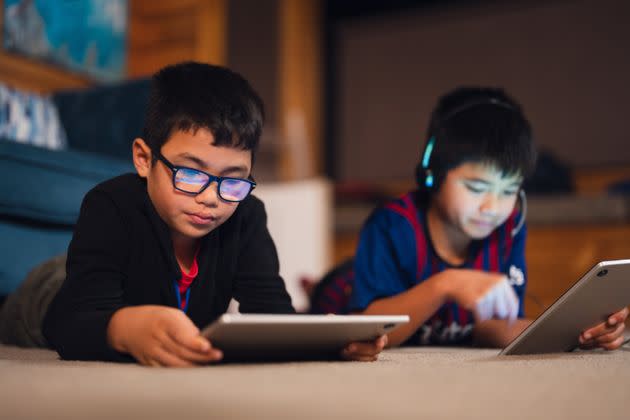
[77, 320]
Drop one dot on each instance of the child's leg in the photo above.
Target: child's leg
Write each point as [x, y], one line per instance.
[23, 312]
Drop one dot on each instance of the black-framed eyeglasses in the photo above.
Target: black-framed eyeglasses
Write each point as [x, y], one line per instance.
[194, 181]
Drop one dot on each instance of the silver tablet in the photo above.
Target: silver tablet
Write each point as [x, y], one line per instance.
[294, 337]
[600, 292]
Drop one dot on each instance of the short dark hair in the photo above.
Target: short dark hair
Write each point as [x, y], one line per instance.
[191, 95]
[478, 124]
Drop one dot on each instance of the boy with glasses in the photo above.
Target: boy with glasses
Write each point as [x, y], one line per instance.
[159, 254]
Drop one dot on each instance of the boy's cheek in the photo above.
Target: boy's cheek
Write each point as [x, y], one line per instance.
[226, 212]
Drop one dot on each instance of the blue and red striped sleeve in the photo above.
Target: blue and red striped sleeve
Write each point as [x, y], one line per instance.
[386, 259]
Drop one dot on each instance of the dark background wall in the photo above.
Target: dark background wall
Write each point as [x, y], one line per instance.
[252, 50]
[567, 62]
[252, 47]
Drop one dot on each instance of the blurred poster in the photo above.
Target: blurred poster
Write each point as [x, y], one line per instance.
[85, 36]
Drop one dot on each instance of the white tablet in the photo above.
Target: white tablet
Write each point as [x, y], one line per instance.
[600, 292]
[294, 337]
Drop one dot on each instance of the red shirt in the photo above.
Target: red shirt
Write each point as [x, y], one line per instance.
[185, 281]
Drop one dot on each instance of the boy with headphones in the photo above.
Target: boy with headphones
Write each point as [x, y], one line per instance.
[451, 254]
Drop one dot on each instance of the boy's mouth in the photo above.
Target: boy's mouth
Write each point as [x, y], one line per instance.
[483, 224]
[201, 219]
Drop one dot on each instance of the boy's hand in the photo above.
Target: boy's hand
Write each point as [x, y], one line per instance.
[500, 302]
[488, 295]
[364, 351]
[159, 336]
[607, 335]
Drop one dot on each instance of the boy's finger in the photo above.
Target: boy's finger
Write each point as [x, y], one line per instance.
[192, 341]
[483, 309]
[152, 363]
[611, 336]
[512, 300]
[384, 339]
[588, 337]
[359, 356]
[506, 302]
[358, 350]
[618, 317]
[366, 349]
[165, 358]
[613, 345]
[193, 356]
[596, 331]
[500, 305]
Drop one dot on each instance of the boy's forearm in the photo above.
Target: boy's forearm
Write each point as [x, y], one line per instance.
[498, 332]
[115, 330]
[419, 302]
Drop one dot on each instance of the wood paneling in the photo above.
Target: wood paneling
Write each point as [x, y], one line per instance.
[558, 256]
[598, 179]
[163, 32]
[32, 76]
[300, 88]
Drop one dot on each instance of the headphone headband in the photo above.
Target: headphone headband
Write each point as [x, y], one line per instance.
[475, 103]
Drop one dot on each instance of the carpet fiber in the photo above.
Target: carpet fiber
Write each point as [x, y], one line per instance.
[404, 383]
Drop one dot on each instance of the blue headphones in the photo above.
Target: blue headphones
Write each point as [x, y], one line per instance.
[426, 156]
[429, 179]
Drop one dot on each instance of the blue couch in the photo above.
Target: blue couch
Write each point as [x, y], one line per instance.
[41, 190]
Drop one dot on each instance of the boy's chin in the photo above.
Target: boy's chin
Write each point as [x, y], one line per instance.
[477, 233]
[195, 232]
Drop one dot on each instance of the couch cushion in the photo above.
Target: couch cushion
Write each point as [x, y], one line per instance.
[104, 119]
[24, 246]
[30, 118]
[46, 186]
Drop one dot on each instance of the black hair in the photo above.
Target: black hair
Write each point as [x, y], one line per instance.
[477, 124]
[191, 95]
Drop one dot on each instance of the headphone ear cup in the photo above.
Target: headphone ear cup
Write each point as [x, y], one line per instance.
[424, 177]
[428, 179]
[420, 176]
[424, 174]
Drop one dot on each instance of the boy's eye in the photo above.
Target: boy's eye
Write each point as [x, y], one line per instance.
[476, 188]
[510, 192]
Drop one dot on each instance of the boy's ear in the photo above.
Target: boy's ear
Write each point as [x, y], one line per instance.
[142, 157]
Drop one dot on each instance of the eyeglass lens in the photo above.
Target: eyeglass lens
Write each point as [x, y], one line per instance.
[230, 189]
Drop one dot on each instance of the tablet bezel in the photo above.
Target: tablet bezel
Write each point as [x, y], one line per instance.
[244, 337]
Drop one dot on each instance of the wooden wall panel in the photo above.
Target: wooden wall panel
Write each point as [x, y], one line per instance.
[301, 85]
[558, 256]
[32, 76]
[163, 32]
[597, 180]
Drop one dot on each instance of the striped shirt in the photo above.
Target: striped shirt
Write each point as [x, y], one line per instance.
[395, 253]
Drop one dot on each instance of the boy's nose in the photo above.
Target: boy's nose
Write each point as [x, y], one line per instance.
[209, 196]
[490, 204]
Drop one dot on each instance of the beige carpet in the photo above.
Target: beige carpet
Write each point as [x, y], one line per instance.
[414, 383]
